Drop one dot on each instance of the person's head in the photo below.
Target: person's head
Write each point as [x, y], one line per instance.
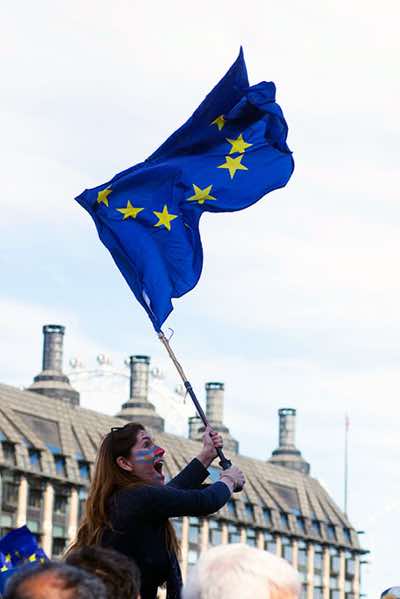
[239, 571]
[119, 574]
[127, 457]
[54, 581]
[391, 593]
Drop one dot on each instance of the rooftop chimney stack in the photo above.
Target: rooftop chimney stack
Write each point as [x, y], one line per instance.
[52, 382]
[215, 416]
[287, 455]
[138, 408]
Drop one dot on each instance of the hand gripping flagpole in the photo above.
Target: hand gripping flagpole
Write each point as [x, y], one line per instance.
[223, 461]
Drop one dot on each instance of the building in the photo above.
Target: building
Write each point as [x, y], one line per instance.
[48, 447]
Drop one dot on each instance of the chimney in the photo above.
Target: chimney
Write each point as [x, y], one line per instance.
[138, 408]
[215, 415]
[52, 382]
[287, 455]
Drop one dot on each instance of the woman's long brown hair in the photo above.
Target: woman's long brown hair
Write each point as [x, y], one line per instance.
[108, 478]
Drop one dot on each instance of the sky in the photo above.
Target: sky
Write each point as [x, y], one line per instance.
[298, 301]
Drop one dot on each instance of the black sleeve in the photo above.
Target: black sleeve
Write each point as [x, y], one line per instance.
[190, 477]
[167, 501]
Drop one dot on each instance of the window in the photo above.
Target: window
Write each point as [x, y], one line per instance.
[347, 535]
[316, 527]
[84, 469]
[300, 523]
[330, 529]
[350, 569]
[82, 501]
[214, 532]
[318, 558]
[33, 525]
[302, 556]
[177, 524]
[59, 462]
[251, 538]
[249, 511]
[34, 459]
[60, 504]
[35, 498]
[231, 508]
[193, 556]
[59, 545]
[284, 521]
[9, 453]
[287, 552]
[267, 516]
[233, 533]
[6, 523]
[9, 494]
[335, 562]
[194, 530]
[318, 592]
[269, 542]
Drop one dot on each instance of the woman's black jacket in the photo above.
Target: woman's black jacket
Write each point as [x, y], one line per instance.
[138, 518]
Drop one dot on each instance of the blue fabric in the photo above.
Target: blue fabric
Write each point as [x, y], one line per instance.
[18, 549]
[161, 257]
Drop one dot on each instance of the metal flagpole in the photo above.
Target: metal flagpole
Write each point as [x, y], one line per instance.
[346, 461]
[223, 461]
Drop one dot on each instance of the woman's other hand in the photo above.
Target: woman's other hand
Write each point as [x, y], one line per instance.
[211, 441]
[234, 478]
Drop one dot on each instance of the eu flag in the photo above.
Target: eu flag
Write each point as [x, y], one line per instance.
[229, 154]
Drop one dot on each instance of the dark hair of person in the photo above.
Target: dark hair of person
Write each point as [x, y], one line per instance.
[119, 574]
[72, 582]
[108, 478]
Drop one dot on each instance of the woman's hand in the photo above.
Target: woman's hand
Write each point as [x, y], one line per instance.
[234, 478]
[211, 441]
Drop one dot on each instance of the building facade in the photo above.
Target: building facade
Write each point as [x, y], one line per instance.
[48, 444]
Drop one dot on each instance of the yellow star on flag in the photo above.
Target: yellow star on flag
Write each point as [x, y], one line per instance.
[233, 165]
[102, 196]
[239, 145]
[201, 195]
[219, 121]
[129, 211]
[164, 218]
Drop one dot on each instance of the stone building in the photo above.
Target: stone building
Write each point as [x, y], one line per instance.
[48, 444]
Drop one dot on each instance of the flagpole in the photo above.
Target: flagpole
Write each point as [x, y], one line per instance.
[346, 462]
[223, 461]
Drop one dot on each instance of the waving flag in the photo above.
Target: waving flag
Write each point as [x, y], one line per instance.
[227, 156]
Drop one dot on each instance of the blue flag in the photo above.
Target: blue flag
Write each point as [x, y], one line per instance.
[229, 154]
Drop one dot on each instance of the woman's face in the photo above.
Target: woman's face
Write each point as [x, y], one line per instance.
[147, 459]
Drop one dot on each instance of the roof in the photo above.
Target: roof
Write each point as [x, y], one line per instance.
[33, 421]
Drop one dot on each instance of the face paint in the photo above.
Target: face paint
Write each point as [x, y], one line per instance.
[146, 456]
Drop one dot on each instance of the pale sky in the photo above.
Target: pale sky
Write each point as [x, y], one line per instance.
[298, 304]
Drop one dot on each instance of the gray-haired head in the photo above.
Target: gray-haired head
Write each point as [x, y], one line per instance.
[56, 580]
[238, 571]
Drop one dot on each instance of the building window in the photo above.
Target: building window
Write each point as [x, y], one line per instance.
[316, 527]
[287, 552]
[350, 569]
[6, 523]
[35, 498]
[177, 524]
[284, 521]
[300, 523]
[231, 508]
[214, 532]
[9, 453]
[82, 495]
[59, 545]
[317, 592]
[303, 592]
[251, 537]
[330, 529]
[233, 533]
[249, 511]
[302, 556]
[84, 469]
[267, 517]
[193, 556]
[335, 562]
[334, 594]
[60, 504]
[318, 558]
[9, 491]
[347, 535]
[34, 459]
[269, 542]
[59, 462]
[194, 530]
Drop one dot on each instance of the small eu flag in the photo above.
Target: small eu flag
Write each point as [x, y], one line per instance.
[229, 154]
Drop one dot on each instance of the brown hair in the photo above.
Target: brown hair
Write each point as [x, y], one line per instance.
[108, 478]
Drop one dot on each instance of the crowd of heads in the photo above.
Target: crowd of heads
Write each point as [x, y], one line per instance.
[223, 572]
